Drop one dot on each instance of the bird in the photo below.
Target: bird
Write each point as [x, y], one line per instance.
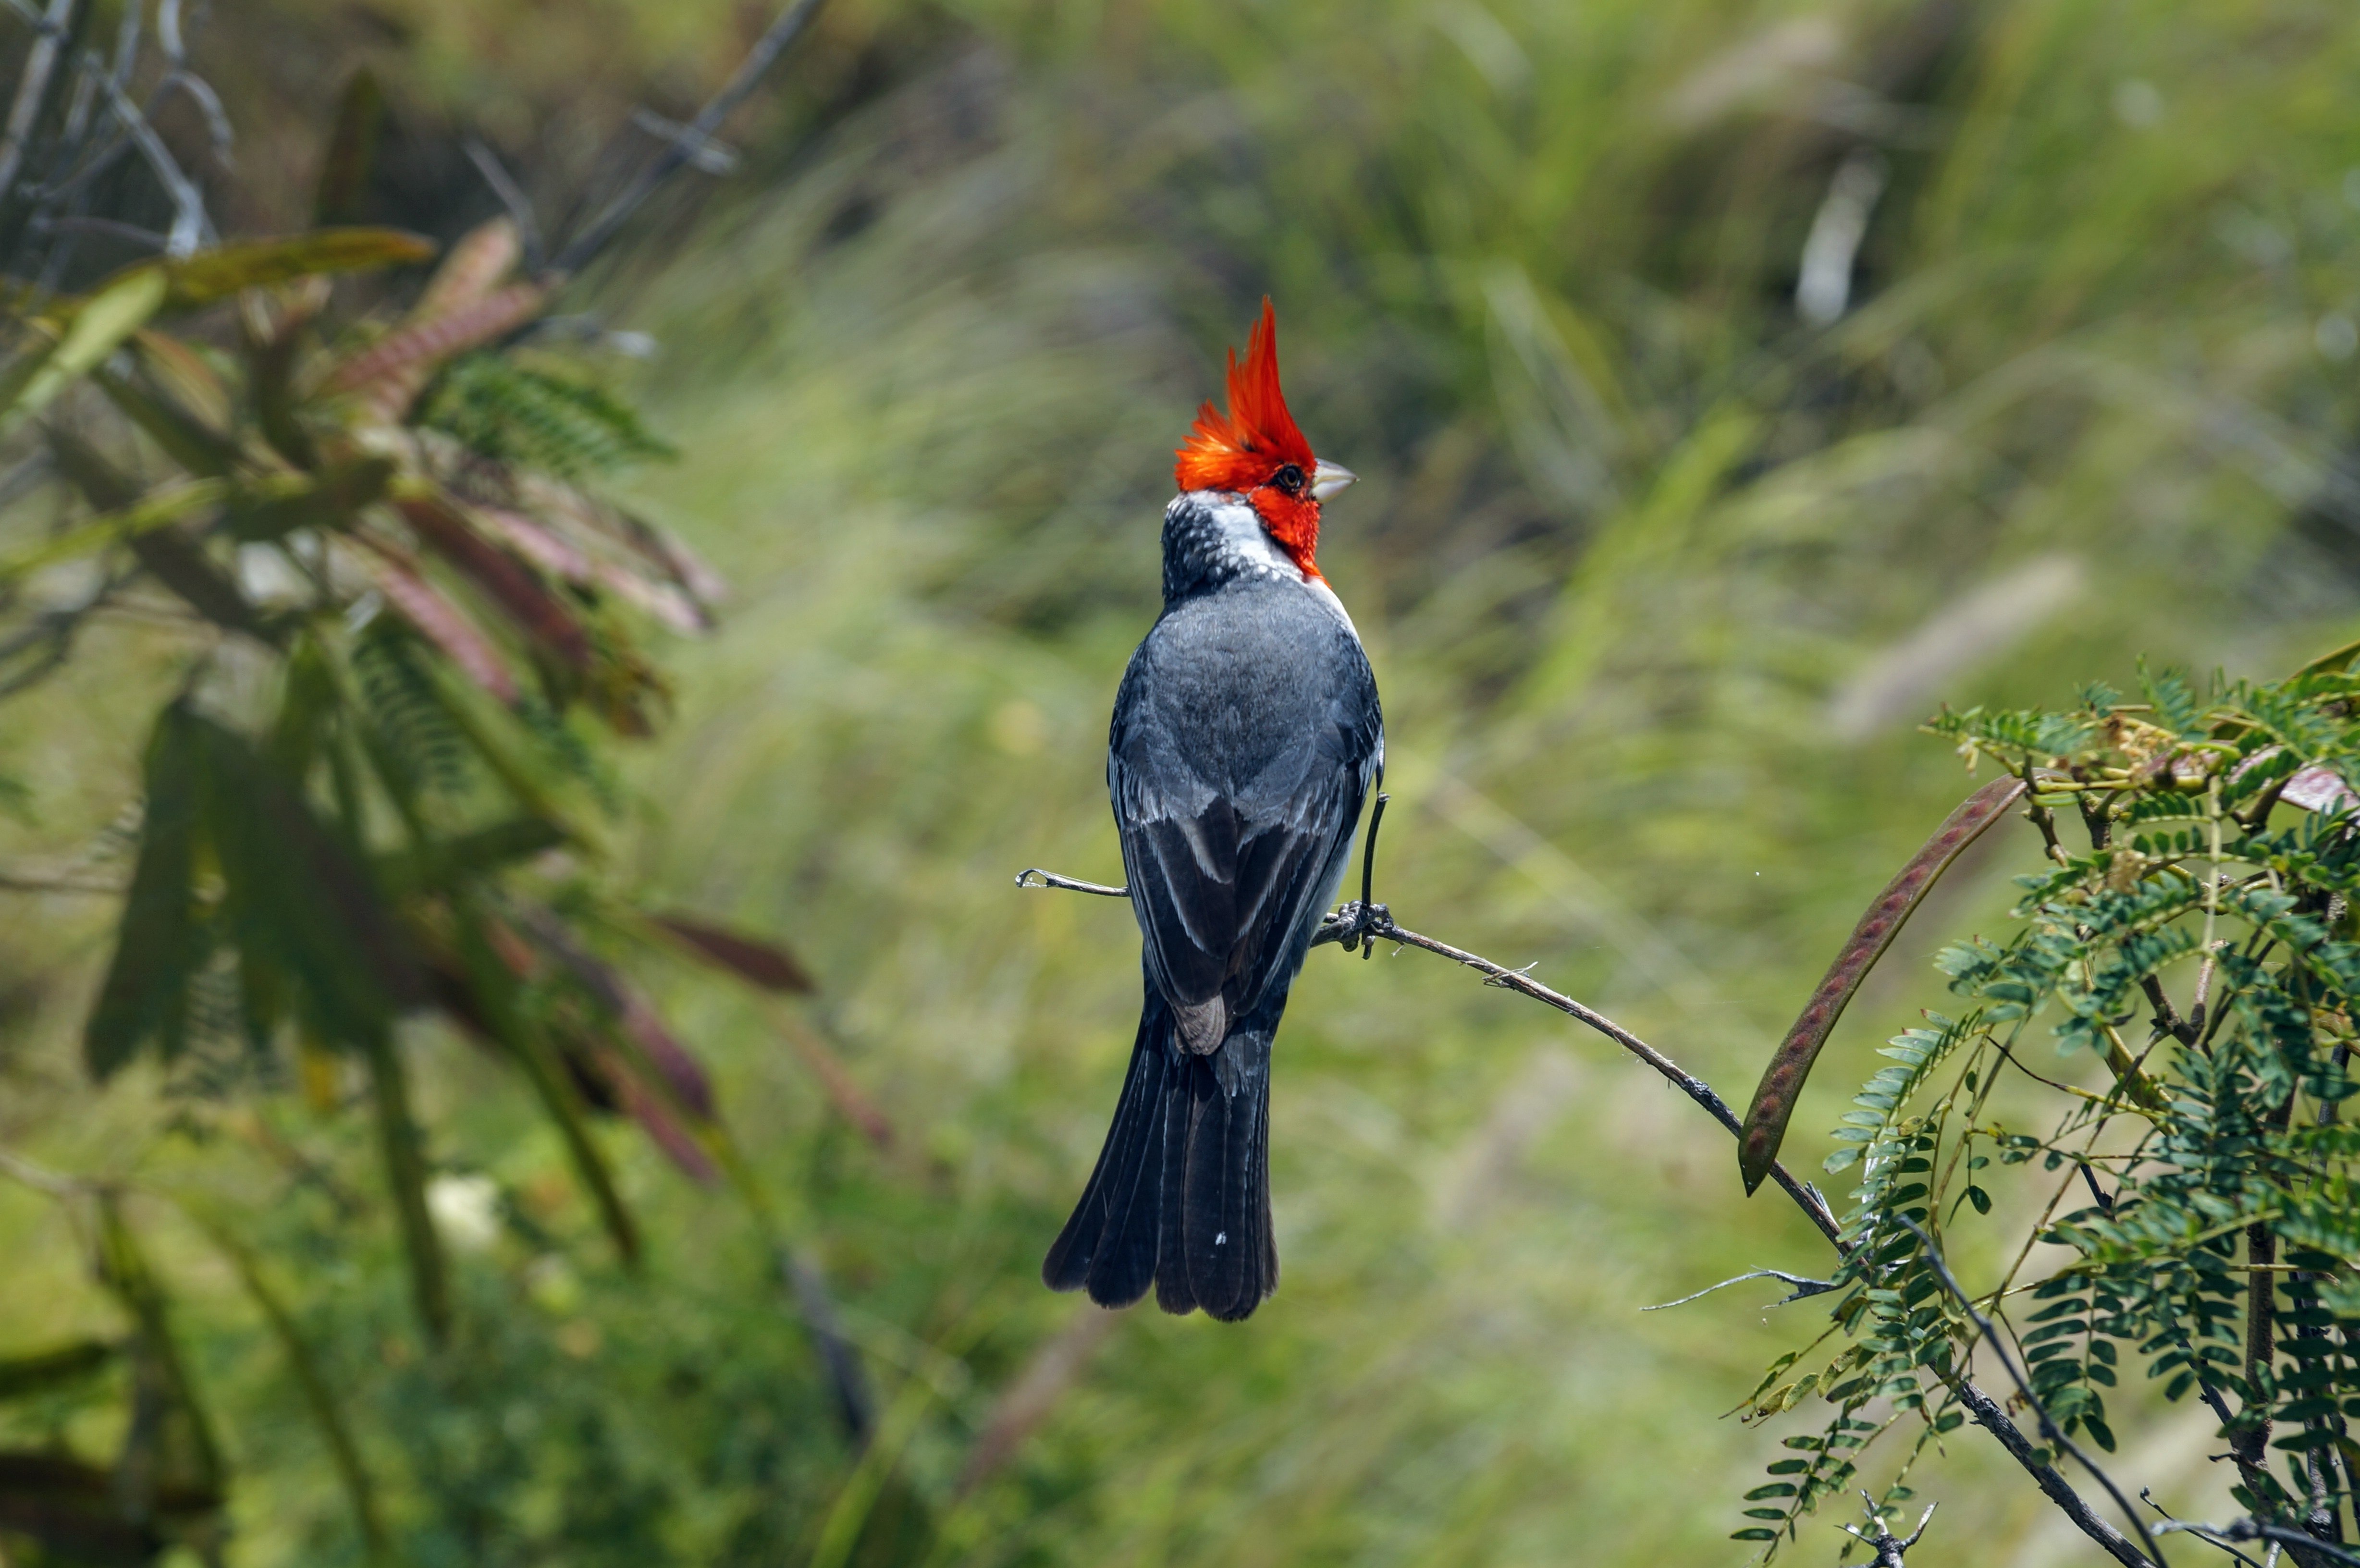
[1246, 735]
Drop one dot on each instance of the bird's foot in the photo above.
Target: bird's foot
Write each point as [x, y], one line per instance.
[1355, 925]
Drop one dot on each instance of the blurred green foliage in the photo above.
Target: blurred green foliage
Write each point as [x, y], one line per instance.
[1657, 577]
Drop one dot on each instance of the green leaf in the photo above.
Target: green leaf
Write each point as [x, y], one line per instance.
[403, 1149]
[159, 944]
[184, 438]
[298, 900]
[165, 505]
[170, 1447]
[46, 1369]
[318, 1398]
[96, 328]
[229, 269]
[492, 988]
[351, 152]
[329, 500]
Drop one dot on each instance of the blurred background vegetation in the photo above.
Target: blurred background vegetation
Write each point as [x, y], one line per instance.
[1731, 384]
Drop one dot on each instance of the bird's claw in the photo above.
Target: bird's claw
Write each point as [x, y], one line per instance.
[1356, 925]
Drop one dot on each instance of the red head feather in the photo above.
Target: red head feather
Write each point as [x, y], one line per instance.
[1256, 450]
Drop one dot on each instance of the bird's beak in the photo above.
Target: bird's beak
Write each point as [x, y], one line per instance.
[1328, 478]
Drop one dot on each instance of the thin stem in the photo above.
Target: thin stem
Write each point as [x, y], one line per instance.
[2050, 1433]
[682, 149]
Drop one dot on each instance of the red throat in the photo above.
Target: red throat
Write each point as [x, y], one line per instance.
[1250, 450]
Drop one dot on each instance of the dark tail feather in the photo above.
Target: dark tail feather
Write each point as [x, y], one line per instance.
[1181, 1196]
[1216, 1247]
[1110, 1243]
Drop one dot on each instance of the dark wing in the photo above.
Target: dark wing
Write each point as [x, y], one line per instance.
[1226, 881]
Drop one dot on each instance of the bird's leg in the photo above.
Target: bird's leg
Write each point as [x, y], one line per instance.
[1364, 921]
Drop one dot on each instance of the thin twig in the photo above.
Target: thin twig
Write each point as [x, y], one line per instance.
[682, 149]
[191, 225]
[1804, 1286]
[512, 197]
[2258, 1530]
[2147, 1496]
[2050, 1433]
[1380, 925]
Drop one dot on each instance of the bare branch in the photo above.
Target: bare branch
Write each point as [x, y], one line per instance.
[683, 149]
[191, 225]
[2050, 1433]
[1804, 1286]
[2259, 1529]
[1362, 923]
[512, 197]
[708, 156]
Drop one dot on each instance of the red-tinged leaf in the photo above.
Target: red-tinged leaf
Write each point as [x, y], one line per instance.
[2318, 788]
[501, 576]
[183, 373]
[444, 624]
[684, 1074]
[658, 547]
[1782, 1082]
[763, 963]
[843, 1091]
[492, 985]
[390, 373]
[485, 254]
[655, 1117]
[708, 587]
[661, 600]
[558, 556]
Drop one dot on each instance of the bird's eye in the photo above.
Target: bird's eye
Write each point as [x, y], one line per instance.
[1289, 479]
